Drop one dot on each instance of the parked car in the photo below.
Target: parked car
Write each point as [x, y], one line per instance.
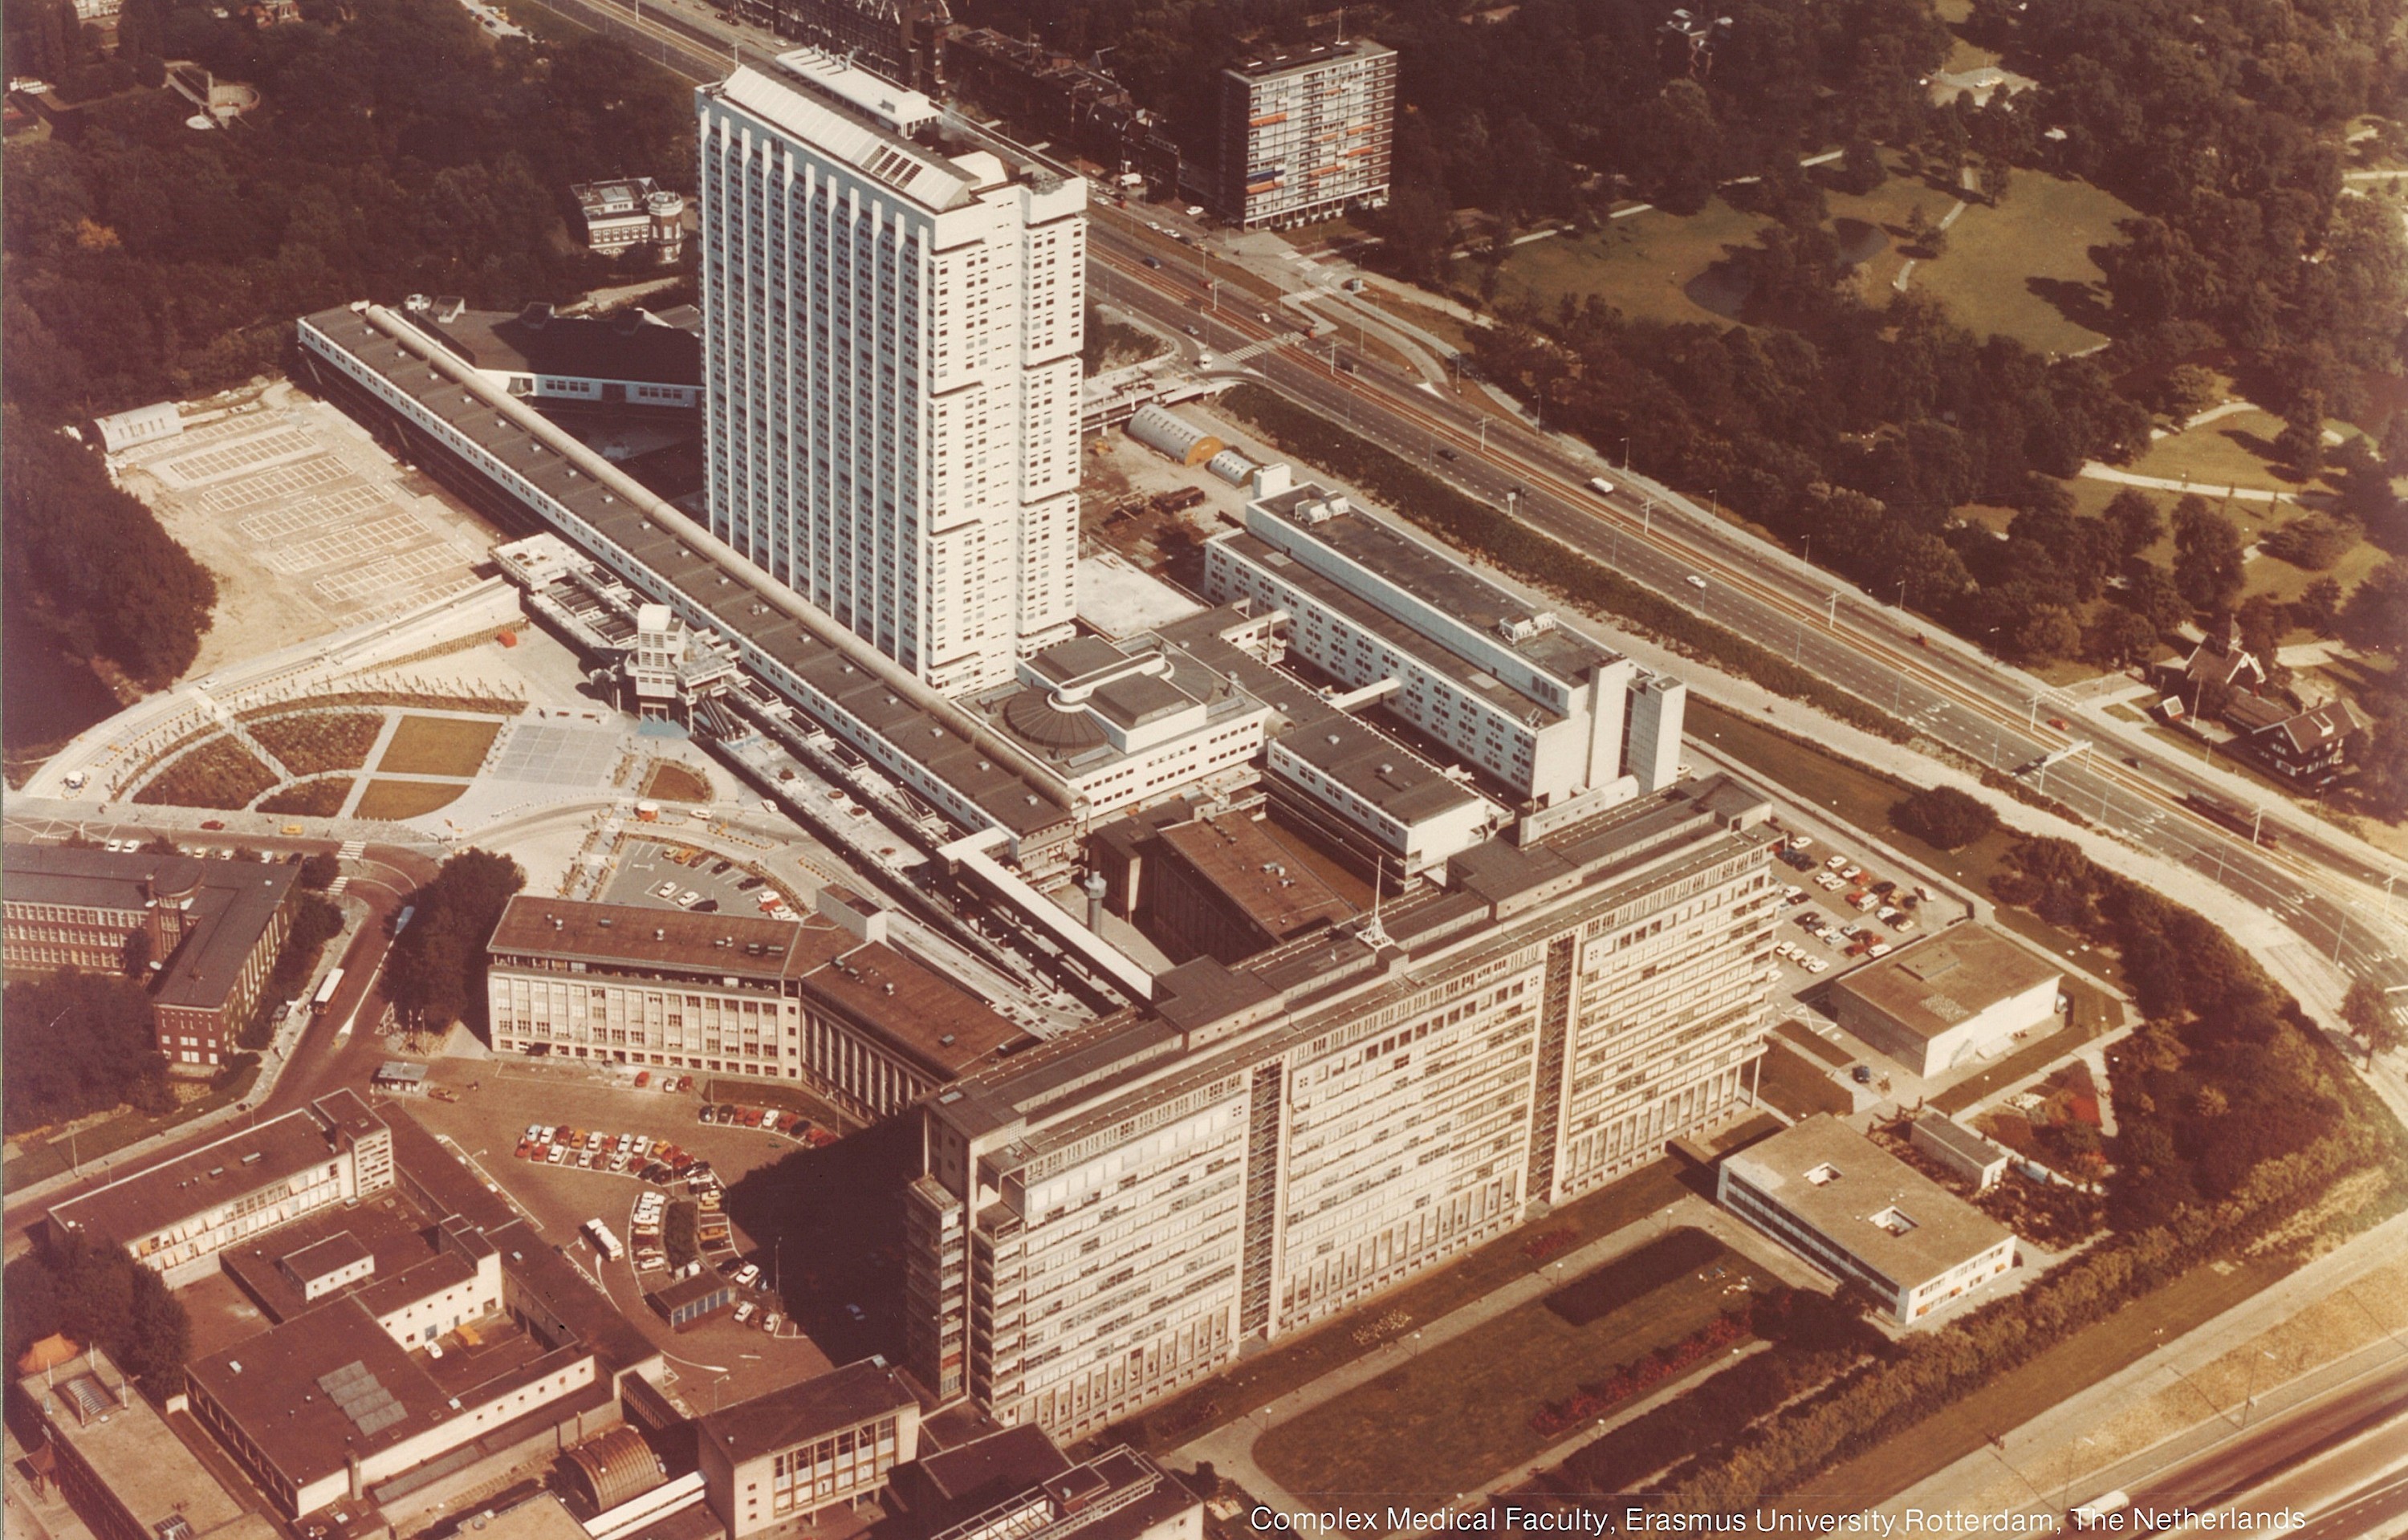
[744, 1312]
[748, 1275]
[771, 1321]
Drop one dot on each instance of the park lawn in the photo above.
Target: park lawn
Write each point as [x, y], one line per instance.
[1459, 1415]
[2035, 1388]
[401, 799]
[437, 746]
[1437, 322]
[1864, 798]
[2041, 234]
[2230, 452]
[40, 1159]
[2271, 574]
[1885, 208]
[1637, 264]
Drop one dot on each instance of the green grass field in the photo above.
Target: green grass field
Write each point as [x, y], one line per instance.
[2019, 267]
[1459, 1415]
[401, 799]
[436, 746]
[1786, 1081]
[2230, 452]
[1637, 264]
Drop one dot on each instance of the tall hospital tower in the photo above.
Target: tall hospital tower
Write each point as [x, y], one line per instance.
[894, 308]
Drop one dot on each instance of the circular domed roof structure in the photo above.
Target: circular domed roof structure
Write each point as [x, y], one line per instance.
[1033, 716]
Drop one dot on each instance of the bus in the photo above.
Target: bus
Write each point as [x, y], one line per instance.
[401, 921]
[326, 995]
[604, 1242]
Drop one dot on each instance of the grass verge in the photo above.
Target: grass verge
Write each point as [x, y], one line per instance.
[401, 799]
[1459, 1415]
[41, 1161]
[437, 746]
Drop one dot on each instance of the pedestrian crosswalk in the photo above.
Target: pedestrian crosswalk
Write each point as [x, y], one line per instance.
[351, 850]
[1255, 350]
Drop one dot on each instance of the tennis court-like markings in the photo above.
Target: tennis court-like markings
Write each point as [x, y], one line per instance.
[209, 464]
[352, 587]
[324, 508]
[350, 543]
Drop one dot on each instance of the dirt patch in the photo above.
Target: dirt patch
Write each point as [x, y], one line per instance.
[401, 799]
[436, 746]
[669, 781]
[221, 774]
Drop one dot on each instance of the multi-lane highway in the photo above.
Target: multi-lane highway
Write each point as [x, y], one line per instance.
[2330, 895]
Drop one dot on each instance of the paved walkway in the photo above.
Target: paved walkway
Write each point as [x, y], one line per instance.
[2099, 471]
[1231, 1447]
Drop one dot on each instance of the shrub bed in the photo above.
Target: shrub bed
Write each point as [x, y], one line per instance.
[319, 798]
[220, 773]
[312, 742]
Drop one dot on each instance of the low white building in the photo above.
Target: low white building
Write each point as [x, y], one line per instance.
[627, 211]
[1959, 995]
[1415, 814]
[1858, 1212]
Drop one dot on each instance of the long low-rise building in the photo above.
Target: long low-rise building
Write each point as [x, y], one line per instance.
[1112, 1215]
[828, 1002]
[792, 1456]
[1547, 712]
[176, 1216]
[120, 1465]
[212, 931]
[1861, 1214]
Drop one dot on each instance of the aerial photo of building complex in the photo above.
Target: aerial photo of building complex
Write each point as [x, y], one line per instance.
[957, 770]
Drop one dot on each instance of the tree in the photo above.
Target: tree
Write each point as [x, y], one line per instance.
[2207, 555]
[1994, 178]
[434, 971]
[1945, 818]
[2045, 634]
[1860, 167]
[2380, 757]
[2149, 592]
[2119, 637]
[320, 871]
[2301, 445]
[2318, 606]
[2132, 515]
[2186, 391]
[79, 1043]
[2366, 1011]
[2376, 615]
[1923, 235]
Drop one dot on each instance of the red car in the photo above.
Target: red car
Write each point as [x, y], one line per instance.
[643, 1078]
[214, 824]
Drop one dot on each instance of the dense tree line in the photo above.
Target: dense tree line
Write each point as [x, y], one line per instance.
[397, 149]
[91, 1290]
[80, 1042]
[435, 974]
[89, 562]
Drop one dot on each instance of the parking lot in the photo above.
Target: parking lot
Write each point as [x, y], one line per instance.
[657, 876]
[1841, 912]
[717, 1357]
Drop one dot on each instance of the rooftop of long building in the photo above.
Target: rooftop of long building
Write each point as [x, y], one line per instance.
[1883, 1211]
[269, 1154]
[734, 609]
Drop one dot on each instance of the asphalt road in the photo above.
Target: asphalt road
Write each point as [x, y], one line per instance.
[2336, 1458]
[2310, 884]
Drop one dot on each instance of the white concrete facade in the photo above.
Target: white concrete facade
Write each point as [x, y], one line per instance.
[891, 368]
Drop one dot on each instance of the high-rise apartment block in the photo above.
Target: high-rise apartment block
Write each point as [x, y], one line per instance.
[893, 310]
[1109, 1216]
[1306, 135]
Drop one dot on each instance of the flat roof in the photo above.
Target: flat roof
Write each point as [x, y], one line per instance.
[823, 106]
[1246, 864]
[1944, 979]
[1958, 1139]
[228, 904]
[244, 1162]
[915, 1008]
[842, 1398]
[735, 610]
[1864, 1181]
[1310, 57]
[627, 938]
[632, 347]
[1438, 580]
[338, 1251]
[1378, 769]
[130, 1448]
